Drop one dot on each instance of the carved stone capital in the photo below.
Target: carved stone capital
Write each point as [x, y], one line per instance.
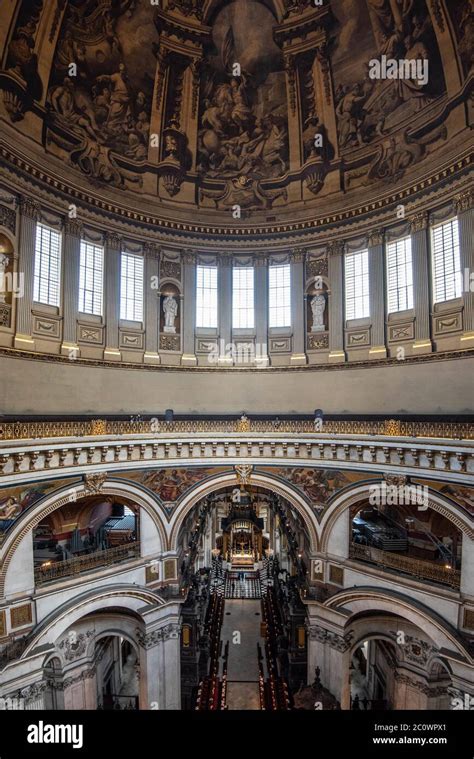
[336, 248]
[376, 237]
[113, 241]
[30, 208]
[152, 250]
[260, 260]
[153, 638]
[73, 227]
[419, 222]
[464, 201]
[297, 255]
[188, 257]
[93, 483]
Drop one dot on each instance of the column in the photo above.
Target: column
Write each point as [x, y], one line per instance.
[297, 258]
[71, 266]
[377, 294]
[160, 671]
[225, 308]
[261, 311]
[464, 207]
[189, 309]
[421, 283]
[152, 303]
[113, 245]
[29, 214]
[336, 302]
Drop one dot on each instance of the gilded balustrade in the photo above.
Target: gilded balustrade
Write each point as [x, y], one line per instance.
[70, 567]
[101, 427]
[422, 570]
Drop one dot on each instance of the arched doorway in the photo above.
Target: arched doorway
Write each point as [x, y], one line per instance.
[117, 673]
[243, 554]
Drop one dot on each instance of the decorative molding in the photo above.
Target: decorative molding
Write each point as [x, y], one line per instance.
[438, 14]
[153, 638]
[317, 267]
[170, 270]
[8, 219]
[74, 646]
[297, 255]
[170, 343]
[93, 483]
[21, 615]
[152, 250]
[317, 342]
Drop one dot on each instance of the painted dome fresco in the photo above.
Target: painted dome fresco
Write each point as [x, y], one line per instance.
[222, 115]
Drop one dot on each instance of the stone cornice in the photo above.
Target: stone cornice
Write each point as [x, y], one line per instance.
[351, 222]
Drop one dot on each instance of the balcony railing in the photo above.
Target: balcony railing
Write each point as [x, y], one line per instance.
[80, 564]
[33, 430]
[422, 570]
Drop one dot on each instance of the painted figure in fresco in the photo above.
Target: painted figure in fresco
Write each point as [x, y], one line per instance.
[63, 102]
[349, 116]
[120, 98]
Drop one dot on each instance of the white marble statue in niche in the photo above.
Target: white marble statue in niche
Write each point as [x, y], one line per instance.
[4, 260]
[170, 310]
[318, 307]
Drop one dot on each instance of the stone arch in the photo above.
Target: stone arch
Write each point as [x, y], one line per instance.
[52, 501]
[360, 491]
[128, 598]
[357, 600]
[227, 479]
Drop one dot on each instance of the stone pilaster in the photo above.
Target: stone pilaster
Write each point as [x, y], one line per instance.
[464, 206]
[377, 294]
[298, 357]
[30, 213]
[336, 302]
[421, 283]
[152, 303]
[113, 246]
[261, 310]
[189, 309]
[225, 308]
[72, 260]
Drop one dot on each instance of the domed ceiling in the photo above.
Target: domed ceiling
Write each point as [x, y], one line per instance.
[226, 112]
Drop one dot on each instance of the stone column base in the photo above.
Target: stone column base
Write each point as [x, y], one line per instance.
[336, 357]
[225, 361]
[112, 354]
[467, 340]
[298, 359]
[188, 359]
[71, 350]
[422, 346]
[377, 351]
[24, 343]
[151, 358]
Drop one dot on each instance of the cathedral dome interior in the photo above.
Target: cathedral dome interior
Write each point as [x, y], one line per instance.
[236, 355]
